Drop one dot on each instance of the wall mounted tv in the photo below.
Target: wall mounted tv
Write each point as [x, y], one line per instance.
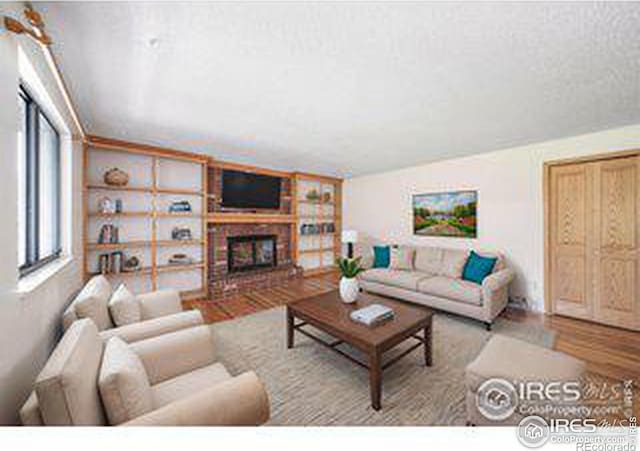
[247, 190]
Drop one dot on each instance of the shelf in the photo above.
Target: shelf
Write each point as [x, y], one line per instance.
[310, 235]
[185, 214]
[193, 294]
[315, 202]
[179, 267]
[137, 189]
[145, 271]
[170, 243]
[319, 250]
[180, 192]
[333, 217]
[249, 218]
[122, 214]
[114, 246]
[319, 270]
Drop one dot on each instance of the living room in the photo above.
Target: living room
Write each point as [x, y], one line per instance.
[210, 198]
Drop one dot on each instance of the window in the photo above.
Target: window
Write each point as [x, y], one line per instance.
[39, 187]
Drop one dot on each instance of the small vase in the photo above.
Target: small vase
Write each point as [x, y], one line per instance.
[349, 289]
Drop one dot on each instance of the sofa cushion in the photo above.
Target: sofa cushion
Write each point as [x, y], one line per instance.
[511, 359]
[477, 268]
[66, 388]
[394, 277]
[381, 256]
[454, 289]
[124, 307]
[428, 259]
[453, 261]
[188, 384]
[92, 302]
[159, 303]
[401, 258]
[500, 263]
[124, 385]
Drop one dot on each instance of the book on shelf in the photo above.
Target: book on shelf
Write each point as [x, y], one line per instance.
[372, 315]
[111, 263]
[109, 234]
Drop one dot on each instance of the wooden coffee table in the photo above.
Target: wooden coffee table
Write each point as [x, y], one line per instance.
[329, 314]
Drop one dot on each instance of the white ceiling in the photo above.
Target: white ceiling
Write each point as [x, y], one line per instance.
[348, 89]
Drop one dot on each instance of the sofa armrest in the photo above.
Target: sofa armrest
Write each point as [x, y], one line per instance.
[170, 355]
[240, 401]
[159, 303]
[154, 327]
[495, 292]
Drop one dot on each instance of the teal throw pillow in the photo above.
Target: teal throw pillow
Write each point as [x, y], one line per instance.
[478, 267]
[381, 256]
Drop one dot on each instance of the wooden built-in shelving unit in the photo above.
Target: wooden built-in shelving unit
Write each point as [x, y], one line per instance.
[157, 177]
[317, 250]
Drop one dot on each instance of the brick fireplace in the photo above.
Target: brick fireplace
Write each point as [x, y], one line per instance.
[249, 256]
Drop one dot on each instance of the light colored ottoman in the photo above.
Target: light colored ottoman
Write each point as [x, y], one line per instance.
[515, 360]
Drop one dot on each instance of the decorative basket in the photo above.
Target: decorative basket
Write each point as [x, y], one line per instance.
[116, 177]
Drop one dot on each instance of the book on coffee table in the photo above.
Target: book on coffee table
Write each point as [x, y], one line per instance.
[372, 314]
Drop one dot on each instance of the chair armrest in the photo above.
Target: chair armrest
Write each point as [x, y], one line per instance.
[154, 327]
[170, 355]
[495, 292]
[240, 401]
[159, 303]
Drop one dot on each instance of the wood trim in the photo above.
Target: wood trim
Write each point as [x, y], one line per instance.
[250, 218]
[154, 223]
[85, 211]
[249, 168]
[596, 157]
[294, 224]
[205, 228]
[126, 146]
[317, 177]
[546, 180]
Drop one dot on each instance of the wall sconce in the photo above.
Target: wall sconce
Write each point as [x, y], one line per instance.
[35, 20]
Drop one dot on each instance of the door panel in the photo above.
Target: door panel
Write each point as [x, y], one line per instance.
[571, 225]
[617, 263]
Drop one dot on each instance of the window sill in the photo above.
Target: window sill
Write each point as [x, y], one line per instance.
[33, 281]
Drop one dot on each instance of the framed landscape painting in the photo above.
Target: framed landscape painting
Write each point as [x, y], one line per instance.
[451, 214]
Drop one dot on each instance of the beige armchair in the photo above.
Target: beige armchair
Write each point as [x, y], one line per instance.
[159, 312]
[169, 380]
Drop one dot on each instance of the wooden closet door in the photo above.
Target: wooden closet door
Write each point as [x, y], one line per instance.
[617, 253]
[571, 226]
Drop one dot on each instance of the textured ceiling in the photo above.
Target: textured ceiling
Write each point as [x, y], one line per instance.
[348, 89]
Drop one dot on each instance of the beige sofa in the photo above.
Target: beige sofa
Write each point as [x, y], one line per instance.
[435, 280]
[160, 312]
[171, 379]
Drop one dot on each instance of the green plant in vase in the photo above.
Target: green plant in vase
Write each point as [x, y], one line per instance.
[349, 287]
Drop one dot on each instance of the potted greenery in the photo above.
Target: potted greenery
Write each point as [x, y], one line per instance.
[350, 268]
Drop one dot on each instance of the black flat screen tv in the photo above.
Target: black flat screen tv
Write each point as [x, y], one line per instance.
[246, 190]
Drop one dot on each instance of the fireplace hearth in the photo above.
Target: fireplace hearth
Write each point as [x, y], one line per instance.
[248, 252]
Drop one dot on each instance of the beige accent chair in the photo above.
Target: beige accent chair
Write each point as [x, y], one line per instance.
[435, 280]
[184, 386]
[160, 312]
[515, 361]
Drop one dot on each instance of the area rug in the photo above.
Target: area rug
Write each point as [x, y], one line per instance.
[311, 385]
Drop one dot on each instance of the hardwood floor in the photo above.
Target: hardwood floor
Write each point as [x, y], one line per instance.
[609, 351]
[254, 301]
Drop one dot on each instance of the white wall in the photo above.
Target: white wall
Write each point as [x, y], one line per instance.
[510, 200]
[30, 318]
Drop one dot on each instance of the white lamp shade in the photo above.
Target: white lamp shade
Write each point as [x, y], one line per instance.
[349, 236]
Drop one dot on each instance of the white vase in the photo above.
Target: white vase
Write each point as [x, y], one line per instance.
[349, 289]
